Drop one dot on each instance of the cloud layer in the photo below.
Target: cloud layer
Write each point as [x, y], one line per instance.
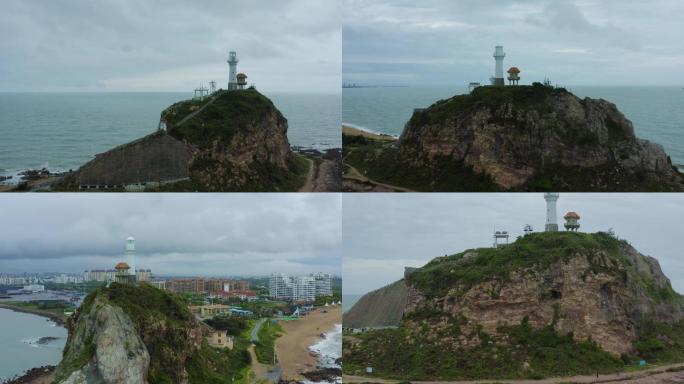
[443, 42]
[168, 45]
[182, 234]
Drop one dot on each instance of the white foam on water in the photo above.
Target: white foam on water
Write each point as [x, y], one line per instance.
[329, 350]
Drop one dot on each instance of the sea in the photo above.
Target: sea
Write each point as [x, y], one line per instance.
[329, 350]
[62, 131]
[19, 348]
[657, 113]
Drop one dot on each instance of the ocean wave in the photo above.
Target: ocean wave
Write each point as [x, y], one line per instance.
[329, 348]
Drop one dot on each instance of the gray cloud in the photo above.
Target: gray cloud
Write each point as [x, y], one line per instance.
[168, 45]
[383, 233]
[176, 233]
[440, 42]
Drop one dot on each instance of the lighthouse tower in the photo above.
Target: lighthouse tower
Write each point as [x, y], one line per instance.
[130, 255]
[232, 73]
[498, 73]
[551, 222]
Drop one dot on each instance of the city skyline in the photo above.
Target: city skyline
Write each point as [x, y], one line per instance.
[416, 229]
[442, 42]
[177, 235]
[169, 45]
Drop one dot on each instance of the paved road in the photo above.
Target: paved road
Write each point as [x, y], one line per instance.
[255, 330]
[666, 374]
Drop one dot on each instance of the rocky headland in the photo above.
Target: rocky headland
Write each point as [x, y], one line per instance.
[550, 304]
[229, 141]
[519, 138]
[139, 334]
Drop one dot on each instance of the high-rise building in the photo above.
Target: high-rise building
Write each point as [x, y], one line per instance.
[323, 284]
[186, 286]
[299, 288]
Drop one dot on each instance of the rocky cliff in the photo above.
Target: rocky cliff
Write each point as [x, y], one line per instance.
[230, 141]
[522, 138]
[242, 142]
[548, 304]
[138, 334]
[381, 308]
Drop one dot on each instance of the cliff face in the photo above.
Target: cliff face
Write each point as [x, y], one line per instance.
[103, 347]
[549, 304]
[537, 137]
[241, 139]
[130, 334]
[380, 308]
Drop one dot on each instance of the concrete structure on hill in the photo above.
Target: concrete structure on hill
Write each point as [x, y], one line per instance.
[232, 70]
[152, 161]
[130, 254]
[123, 274]
[241, 81]
[500, 236]
[498, 70]
[210, 310]
[551, 221]
[571, 221]
[513, 76]
[220, 339]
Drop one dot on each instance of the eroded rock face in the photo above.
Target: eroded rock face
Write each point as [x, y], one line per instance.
[556, 135]
[576, 295]
[241, 160]
[106, 340]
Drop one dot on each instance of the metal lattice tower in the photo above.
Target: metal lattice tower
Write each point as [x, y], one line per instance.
[503, 235]
[212, 85]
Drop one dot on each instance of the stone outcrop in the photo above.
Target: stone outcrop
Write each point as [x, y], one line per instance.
[538, 137]
[241, 139]
[589, 286]
[133, 334]
[104, 347]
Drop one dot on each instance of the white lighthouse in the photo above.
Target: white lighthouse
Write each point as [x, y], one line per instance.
[232, 73]
[498, 73]
[551, 222]
[130, 255]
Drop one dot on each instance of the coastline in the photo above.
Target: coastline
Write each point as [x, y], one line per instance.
[352, 130]
[293, 348]
[58, 319]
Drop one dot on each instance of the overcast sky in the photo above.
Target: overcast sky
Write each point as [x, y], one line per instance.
[578, 42]
[383, 233]
[181, 234]
[168, 45]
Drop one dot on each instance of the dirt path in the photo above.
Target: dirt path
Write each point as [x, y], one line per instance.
[292, 348]
[309, 184]
[657, 375]
[194, 113]
[354, 175]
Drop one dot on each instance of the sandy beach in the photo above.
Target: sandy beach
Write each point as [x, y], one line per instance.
[292, 348]
[352, 131]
